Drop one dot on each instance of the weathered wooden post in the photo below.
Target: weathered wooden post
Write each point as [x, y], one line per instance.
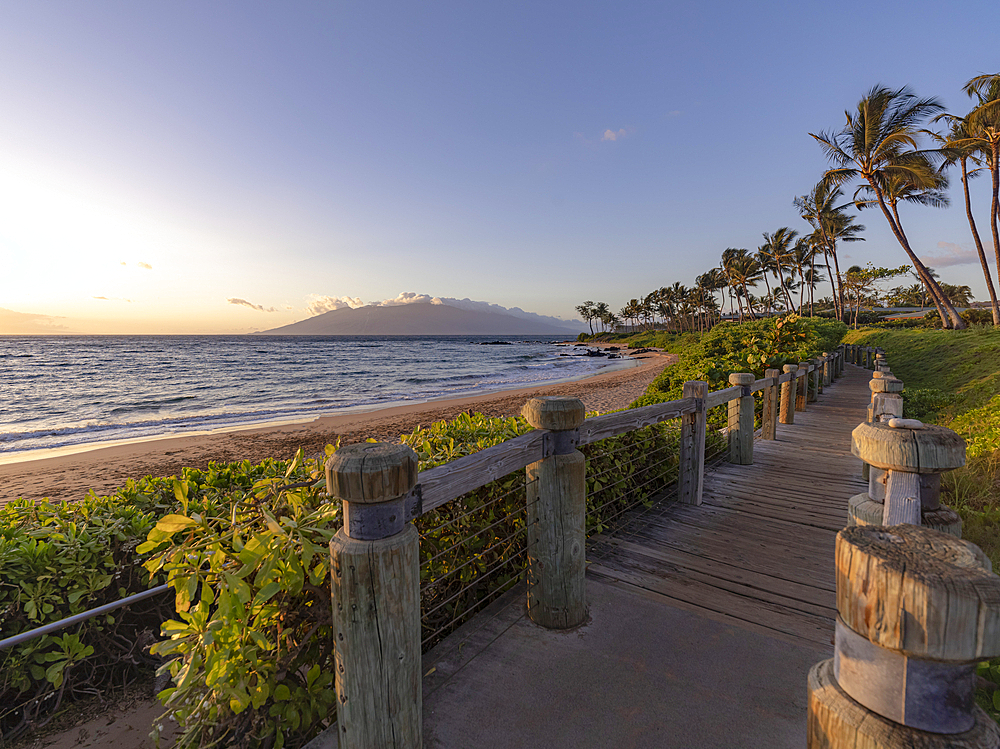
[557, 515]
[787, 415]
[828, 364]
[887, 400]
[802, 388]
[691, 473]
[880, 363]
[817, 384]
[741, 421]
[907, 459]
[917, 609]
[375, 586]
[769, 417]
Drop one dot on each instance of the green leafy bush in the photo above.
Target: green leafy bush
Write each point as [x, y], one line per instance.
[745, 347]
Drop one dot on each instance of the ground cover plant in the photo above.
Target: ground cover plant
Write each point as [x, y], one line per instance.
[952, 378]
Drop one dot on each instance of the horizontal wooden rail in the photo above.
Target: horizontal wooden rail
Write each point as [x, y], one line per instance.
[763, 382]
[611, 425]
[718, 397]
[440, 485]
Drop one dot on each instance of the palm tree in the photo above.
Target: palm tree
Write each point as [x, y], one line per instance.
[832, 224]
[979, 133]
[879, 143]
[779, 247]
[742, 271]
[586, 311]
[601, 312]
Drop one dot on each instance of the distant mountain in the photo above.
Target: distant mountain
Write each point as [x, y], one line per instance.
[419, 319]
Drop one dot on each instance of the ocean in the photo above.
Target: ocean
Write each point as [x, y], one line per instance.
[75, 391]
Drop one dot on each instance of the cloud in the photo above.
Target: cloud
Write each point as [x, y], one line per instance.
[953, 255]
[317, 304]
[124, 263]
[408, 297]
[145, 266]
[614, 135]
[25, 323]
[251, 305]
[112, 299]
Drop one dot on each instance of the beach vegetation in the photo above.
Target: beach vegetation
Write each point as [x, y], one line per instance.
[753, 346]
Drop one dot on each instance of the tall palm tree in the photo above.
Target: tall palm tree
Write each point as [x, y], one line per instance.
[767, 265]
[982, 133]
[833, 225]
[879, 142]
[601, 312]
[742, 271]
[779, 247]
[960, 148]
[586, 311]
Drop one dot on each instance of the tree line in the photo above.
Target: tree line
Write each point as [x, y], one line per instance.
[888, 152]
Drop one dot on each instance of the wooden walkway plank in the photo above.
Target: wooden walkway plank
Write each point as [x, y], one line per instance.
[759, 550]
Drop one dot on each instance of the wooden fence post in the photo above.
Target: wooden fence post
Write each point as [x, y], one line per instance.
[817, 382]
[557, 515]
[741, 421]
[769, 418]
[375, 586]
[787, 415]
[802, 388]
[906, 460]
[829, 362]
[916, 611]
[691, 473]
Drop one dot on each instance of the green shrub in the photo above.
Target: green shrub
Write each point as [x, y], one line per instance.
[744, 347]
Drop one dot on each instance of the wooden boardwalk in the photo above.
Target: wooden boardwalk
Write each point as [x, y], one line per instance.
[758, 553]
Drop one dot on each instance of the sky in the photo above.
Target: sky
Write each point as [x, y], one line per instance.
[225, 167]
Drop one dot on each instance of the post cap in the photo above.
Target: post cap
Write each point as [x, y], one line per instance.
[742, 378]
[932, 449]
[556, 413]
[886, 385]
[791, 368]
[371, 472]
[883, 375]
[919, 591]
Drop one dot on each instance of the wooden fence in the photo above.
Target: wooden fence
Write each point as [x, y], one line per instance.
[375, 557]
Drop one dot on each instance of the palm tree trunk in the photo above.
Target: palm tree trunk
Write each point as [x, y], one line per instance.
[940, 300]
[995, 208]
[979, 243]
[925, 276]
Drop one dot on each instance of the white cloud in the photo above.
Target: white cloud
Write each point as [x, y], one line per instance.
[953, 255]
[408, 297]
[145, 266]
[112, 299]
[614, 135]
[251, 305]
[317, 304]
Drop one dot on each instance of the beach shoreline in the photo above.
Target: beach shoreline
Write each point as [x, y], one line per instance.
[103, 469]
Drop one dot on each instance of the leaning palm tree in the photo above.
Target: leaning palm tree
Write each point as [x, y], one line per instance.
[900, 188]
[878, 143]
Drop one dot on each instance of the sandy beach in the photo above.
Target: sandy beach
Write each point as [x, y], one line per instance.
[104, 469]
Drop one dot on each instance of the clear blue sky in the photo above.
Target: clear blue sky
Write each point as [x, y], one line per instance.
[280, 152]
